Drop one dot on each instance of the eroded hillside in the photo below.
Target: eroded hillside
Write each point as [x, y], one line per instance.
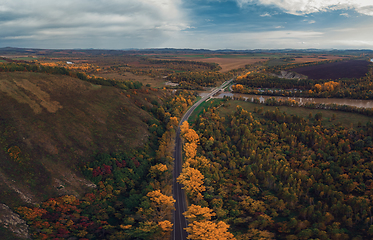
[50, 125]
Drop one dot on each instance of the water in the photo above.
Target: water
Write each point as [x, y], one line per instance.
[338, 101]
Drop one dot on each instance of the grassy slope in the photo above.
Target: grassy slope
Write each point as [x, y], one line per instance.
[204, 106]
[76, 121]
[7, 235]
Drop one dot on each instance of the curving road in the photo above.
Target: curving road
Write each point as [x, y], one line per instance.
[180, 222]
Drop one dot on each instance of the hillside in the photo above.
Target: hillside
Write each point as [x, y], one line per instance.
[50, 125]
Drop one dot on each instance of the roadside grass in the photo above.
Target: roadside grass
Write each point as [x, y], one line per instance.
[2, 61]
[197, 99]
[227, 88]
[214, 102]
[344, 118]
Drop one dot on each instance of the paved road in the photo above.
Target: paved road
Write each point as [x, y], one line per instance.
[180, 222]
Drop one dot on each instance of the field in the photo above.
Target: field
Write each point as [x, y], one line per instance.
[155, 82]
[301, 59]
[344, 118]
[25, 58]
[228, 64]
[305, 59]
[230, 61]
[336, 70]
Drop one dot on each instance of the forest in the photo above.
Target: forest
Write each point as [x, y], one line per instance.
[279, 176]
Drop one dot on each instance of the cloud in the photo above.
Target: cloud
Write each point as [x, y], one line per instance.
[103, 20]
[344, 14]
[309, 21]
[266, 15]
[248, 40]
[302, 7]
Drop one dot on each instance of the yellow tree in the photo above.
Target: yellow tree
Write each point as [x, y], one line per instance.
[198, 213]
[184, 127]
[157, 169]
[317, 87]
[200, 163]
[237, 88]
[208, 230]
[190, 149]
[161, 204]
[188, 134]
[192, 179]
[191, 136]
[166, 227]
[172, 123]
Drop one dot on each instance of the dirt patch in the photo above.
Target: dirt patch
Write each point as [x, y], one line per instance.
[14, 92]
[289, 75]
[228, 64]
[38, 98]
[45, 101]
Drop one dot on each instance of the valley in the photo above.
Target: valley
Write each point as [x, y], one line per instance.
[87, 141]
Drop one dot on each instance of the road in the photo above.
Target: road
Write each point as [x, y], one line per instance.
[180, 222]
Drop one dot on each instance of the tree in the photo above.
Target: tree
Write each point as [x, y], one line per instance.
[237, 88]
[190, 150]
[161, 205]
[192, 179]
[198, 213]
[184, 127]
[191, 136]
[318, 116]
[208, 230]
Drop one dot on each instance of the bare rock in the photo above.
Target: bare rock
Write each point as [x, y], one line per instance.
[13, 222]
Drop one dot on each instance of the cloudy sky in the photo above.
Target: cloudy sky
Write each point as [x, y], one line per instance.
[209, 24]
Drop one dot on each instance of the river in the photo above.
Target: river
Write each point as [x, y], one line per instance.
[338, 101]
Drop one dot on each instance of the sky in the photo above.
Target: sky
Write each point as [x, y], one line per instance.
[195, 24]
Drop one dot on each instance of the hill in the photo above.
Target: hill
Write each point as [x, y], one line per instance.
[50, 125]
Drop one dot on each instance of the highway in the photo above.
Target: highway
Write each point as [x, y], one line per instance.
[180, 222]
